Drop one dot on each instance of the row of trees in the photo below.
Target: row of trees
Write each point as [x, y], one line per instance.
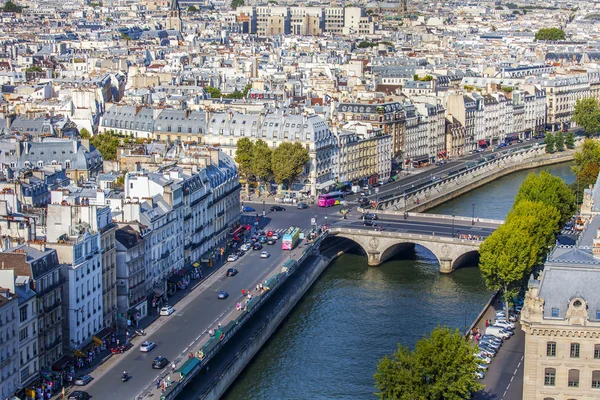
[283, 164]
[215, 93]
[585, 167]
[559, 141]
[587, 115]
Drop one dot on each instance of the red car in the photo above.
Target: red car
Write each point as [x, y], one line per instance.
[270, 233]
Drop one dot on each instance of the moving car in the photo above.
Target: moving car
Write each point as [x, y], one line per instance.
[257, 246]
[275, 236]
[277, 208]
[79, 395]
[302, 206]
[232, 272]
[147, 346]
[223, 295]
[369, 223]
[248, 209]
[159, 362]
[265, 254]
[271, 241]
[245, 247]
[83, 380]
[270, 233]
[167, 310]
[262, 239]
[370, 216]
[232, 258]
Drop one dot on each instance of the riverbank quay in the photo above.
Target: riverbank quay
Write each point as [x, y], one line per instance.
[199, 355]
[420, 199]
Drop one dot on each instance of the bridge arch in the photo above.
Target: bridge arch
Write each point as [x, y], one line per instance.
[342, 243]
[462, 259]
[396, 248]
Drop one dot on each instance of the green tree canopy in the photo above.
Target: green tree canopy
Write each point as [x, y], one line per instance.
[365, 44]
[550, 190]
[11, 7]
[107, 144]
[589, 152]
[550, 34]
[288, 161]
[441, 366]
[550, 141]
[506, 258]
[262, 158]
[541, 221]
[570, 140]
[587, 115]
[559, 142]
[237, 3]
[192, 9]
[243, 158]
[584, 179]
[214, 92]
[84, 134]
[34, 68]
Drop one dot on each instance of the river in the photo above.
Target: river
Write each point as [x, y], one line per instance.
[329, 346]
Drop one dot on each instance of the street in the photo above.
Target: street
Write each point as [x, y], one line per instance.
[177, 332]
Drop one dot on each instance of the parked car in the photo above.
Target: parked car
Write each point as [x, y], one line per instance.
[147, 346]
[488, 351]
[277, 208]
[492, 339]
[257, 246]
[265, 254]
[497, 331]
[232, 258]
[482, 359]
[167, 310]
[240, 253]
[79, 395]
[302, 206]
[83, 380]
[504, 323]
[370, 216]
[248, 209]
[246, 246]
[479, 374]
[223, 295]
[159, 362]
[489, 343]
[482, 367]
[232, 272]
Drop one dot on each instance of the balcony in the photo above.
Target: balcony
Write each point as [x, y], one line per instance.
[52, 287]
[54, 343]
[52, 306]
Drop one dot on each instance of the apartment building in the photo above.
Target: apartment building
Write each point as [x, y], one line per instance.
[562, 93]
[463, 109]
[28, 331]
[38, 269]
[9, 343]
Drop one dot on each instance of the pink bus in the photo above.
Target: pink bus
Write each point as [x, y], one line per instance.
[330, 199]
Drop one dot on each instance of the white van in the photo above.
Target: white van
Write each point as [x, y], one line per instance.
[497, 331]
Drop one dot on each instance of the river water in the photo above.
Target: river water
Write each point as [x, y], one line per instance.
[329, 346]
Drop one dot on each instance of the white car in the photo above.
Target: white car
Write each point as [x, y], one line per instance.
[275, 236]
[265, 254]
[512, 317]
[147, 346]
[479, 374]
[232, 258]
[505, 324]
[167, 310]
[482, 359]
[246, 247]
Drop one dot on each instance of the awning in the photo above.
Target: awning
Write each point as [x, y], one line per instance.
[421, 159]
[158, 292]
[482, 142]
[196, 265]
[97, 340]
[78, 353]
[325, 184]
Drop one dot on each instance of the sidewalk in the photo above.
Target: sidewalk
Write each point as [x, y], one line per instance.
[148, 324]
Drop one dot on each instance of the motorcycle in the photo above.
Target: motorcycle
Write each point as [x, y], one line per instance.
[140, 332]
[124, 377]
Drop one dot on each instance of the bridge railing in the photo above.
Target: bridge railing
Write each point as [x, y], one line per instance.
[436, 216]
[413, 236]
[471, 167]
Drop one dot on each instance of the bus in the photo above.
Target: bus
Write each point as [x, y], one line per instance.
[239, 232]
[290, 238]
[330, 199]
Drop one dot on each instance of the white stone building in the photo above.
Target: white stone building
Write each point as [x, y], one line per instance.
[9, 343]
[29, 366]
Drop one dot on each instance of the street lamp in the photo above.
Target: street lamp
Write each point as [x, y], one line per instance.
[473, 215]
[264, 213]
[452, 225]
[405, 213]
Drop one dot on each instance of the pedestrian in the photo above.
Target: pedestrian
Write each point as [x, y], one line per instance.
[243, 292]
[173, 366]
[118, 341]
[487, 323]
[157, 383]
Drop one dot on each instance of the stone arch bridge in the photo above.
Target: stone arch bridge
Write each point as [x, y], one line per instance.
[381, 245]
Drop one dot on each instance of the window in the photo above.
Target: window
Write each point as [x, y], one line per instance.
[573, 378]
[551, 349]
[555, 312]
[23, 313]
[595, 379]
[574, 350]
[549, 377]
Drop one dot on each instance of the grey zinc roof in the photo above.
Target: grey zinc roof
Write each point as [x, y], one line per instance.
[561, 283]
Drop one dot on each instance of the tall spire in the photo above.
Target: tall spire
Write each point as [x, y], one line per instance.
[174, 5]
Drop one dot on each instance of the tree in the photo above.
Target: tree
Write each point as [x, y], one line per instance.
[214, 92]
[589, 152]
[107, 144]
[192, 9]
[237, 3]
[11, 7]
[552, 34]
[586, 177]
[541, 221]
[442, 366]
[34, 68]
[288, 161]
[243, 158]
[549, 140]
[506, 258]
[560, 142]
[365, 44]
[550, 190]
[570, 140]
[262, 158]
[84, 134]
[587, 115]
